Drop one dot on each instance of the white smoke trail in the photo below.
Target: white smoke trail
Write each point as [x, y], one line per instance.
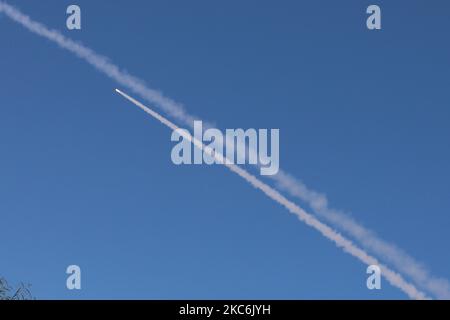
[440, 287]
[101, 63]
[284, 181]
[393, 278]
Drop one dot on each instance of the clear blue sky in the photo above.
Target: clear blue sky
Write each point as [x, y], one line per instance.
[86, 178]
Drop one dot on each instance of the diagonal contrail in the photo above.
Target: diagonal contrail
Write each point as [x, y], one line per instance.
[389, 252]
[393, 278]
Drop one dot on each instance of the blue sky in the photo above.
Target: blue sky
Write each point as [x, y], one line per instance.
[86, 178]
